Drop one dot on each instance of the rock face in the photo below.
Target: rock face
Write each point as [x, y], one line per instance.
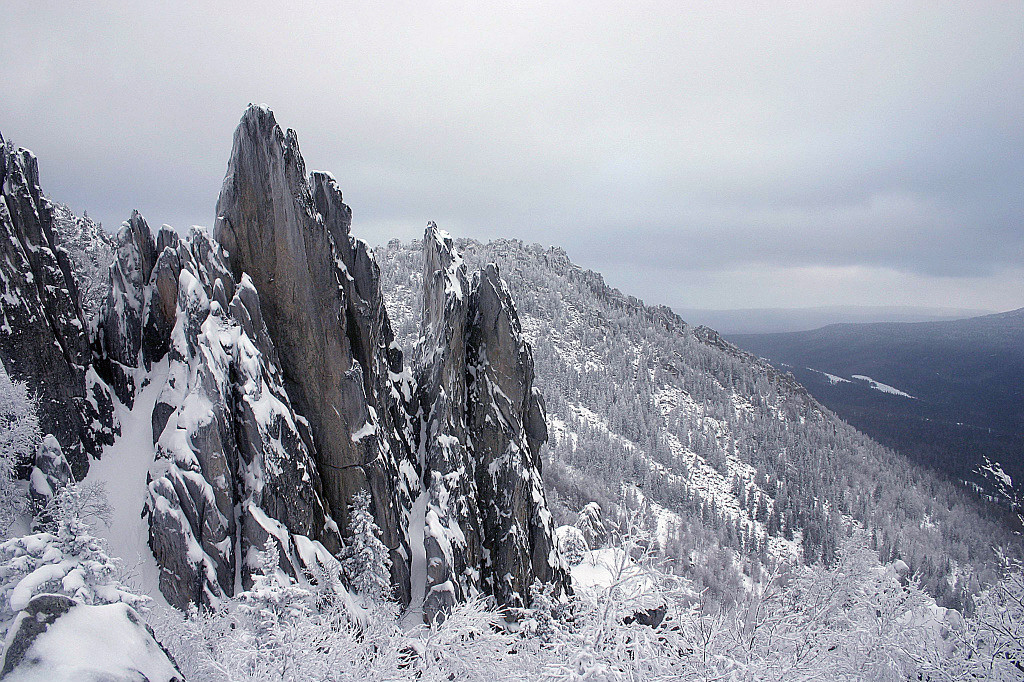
[43, 331]
[488, 529]
[322, 306]
[121, 324]
[58, 639]
[234, 463]
[507, 425]
[452, 534]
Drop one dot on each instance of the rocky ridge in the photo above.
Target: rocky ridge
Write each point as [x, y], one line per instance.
[282, 388]
[44, 339]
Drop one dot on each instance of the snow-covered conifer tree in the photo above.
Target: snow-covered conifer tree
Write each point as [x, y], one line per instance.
[366, 562]
[592, 526]
[70, 560]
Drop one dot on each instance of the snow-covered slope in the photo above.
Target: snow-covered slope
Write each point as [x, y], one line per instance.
[720, 450]
[123, 471]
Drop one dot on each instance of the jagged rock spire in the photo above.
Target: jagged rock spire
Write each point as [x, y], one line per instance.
[43, 332]
[489, 530]
[323, 310]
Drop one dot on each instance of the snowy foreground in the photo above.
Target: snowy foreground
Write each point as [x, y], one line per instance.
[628, 619]
[858, 620]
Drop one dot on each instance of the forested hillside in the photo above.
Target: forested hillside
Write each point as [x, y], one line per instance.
[720, 450]
[959, 385]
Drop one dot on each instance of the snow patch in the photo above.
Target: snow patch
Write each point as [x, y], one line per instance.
[884, 388]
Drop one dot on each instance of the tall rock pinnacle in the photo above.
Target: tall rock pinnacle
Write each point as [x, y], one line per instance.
[321, 301]
[488, 527]
[43, 331]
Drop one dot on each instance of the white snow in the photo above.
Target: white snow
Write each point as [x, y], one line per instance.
[94, 642]
[832, 378]
[995, 469]
[610, 569]
[122, 471]
[418, 571]
[366, 430]
[884, 388]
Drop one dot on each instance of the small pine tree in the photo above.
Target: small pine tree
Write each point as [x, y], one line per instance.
[366, 561]
[572, 545]
[70, 560]
[592, 526]
[274, 596]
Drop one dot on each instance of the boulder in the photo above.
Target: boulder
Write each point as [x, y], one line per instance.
[56, 639]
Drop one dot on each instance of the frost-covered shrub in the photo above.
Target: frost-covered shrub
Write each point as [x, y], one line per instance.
[990, 643]
[91, 251]
[853, 621]
[19, 436]
[70, 560]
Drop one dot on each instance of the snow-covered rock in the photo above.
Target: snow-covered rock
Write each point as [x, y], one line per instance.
[234, 462]
[489, 529]
[507, 426]
[452, 539]
[44, 339]
[56, 639]
[50, 473]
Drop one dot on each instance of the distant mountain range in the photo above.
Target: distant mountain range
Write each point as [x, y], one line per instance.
[944, 393]
[774, 320]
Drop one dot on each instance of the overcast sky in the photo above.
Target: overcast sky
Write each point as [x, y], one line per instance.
[765, 155]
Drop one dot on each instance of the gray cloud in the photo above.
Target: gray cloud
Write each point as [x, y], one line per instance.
[699, 155]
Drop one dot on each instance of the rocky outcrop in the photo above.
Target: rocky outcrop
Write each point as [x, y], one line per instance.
[488, 529]
[62, 640]
[282, 390]
[235, 464]
[121, 323]
[43, 331]
[160, 314]
[135, 322]
[507, 425]
[452, 533]
[322, 307]
[50, 473]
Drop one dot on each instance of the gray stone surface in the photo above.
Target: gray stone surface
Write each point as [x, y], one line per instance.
[43, 331]
[159, 316]
[329, 327]
[122, 315]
